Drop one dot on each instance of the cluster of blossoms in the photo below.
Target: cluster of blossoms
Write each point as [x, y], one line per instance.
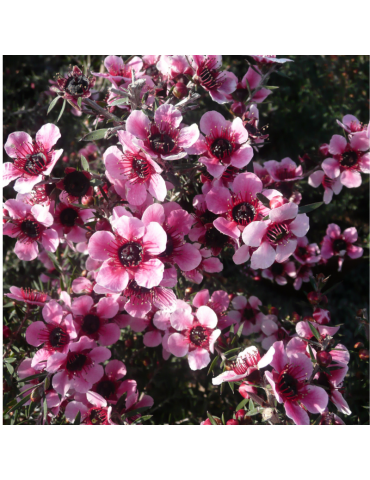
[138, 238]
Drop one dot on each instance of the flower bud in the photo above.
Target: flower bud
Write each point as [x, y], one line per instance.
[240, 414]
[232, 422]
[36, 394]
[359, 345]
[363, 354]
[324, 150]
[295, 318]
[88, 200]
[324, 359]
[6, 332]
[180, 90]
[129, 343]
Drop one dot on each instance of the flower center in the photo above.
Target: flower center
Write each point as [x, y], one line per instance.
[76, 184]
[161, 143]
[248, 314]
[141, 167]
[339, 245]
[77, 85]
[68, 217]
[106, 388]
[134, 289]
[90, 324]
[76, 362]
[287, 385]
[130, 254]
[169, 247]
[208, 78]
[198, 336]
[221, 148]
[30, 228]
[277, 233]
[98, 416]
[277, 268]
[58, 337]
[243, 213]
[35, 163]
[349, 159]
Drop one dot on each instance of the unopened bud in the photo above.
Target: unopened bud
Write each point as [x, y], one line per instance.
[324, 359]
[359, 345]
[240, 414]
[128, 343]
[363, 354]
[295, 318]
[6, 331]
[180, 90]
[36, 394]
[232, 422]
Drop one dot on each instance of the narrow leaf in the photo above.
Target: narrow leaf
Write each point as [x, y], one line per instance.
[77, 419]
[61, 110]
[314, 331]
[52, 105]
[96, 135]
[309, 208]
[242, 404]
[119, 101]
[79, 102]
[264, 200]
[19, 404]
[211, 419]
[84, 163]
[213, 364]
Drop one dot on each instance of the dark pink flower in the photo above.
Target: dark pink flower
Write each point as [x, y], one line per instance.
[218, 83]
[241, 94]
[306, 253]
[120, 72]
[340, 244]
[129, 253]
[284, 171]
[94, 412]
[245, 363]
[219, 302]
[32, 160]
[135, 170]
[330, 185]
[289, 384]
[247, 312]
[32, 297]
[197, 337]
[208, 264]
[75, 84]
[75, 185]
[348, 159]
[351, 124]
[110, 386]
[79, 368]
[30, 225]
[69, 220]
[141, 300]
[165, 137]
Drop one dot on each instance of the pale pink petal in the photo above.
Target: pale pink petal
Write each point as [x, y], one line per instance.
[331, 167]
[213, 121]
[26, 251]
[50, 240]
[253, 233]
[155, 239]
[206, 317]
[135, 193]
[351, 178]
[241, 255]
[283, 252]
[337, 398]
[315, 399]
[130, 228]
[152, 339]
[52, 312]
[33, 333]
[263, 257]
[98, 244]
[285, 212]
[296, 413]
[109, 334]
[177, 345]
[275, 356]
[138, 124]
[150, 273]
[198, 359]
[10, 173]
[26, 184]
[168, 114]
[157, 187]
[16, 143]
[316, 178]
[218, 200]
[154, 213]
[48, 135]
[241, 157]
[115, 369]
[227, 227]
[300, 225]
[188, 136]
[337, 144]
[247, 182]
[111, 277]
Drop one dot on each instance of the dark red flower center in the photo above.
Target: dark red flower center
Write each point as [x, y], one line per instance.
[277, 233]
[222, 148]
[130, 254]
[77, 85]
[243, 213]
[58, 337]
[30, 228]
[339, 244]
[169, 247]
[287, 386]
[106, 388]
[76, 362]
[199, 336]
[134, 289]
[97, 416]
[349, 159]
[141, 167]
[76, 184]
[162, 143]
[35, 163]
[208, 76]
[248, 314]
[90, 324]
[68, 217]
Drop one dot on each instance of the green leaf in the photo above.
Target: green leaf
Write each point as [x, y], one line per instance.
[250, 404]
[10, 368]
[211, 419]
[119, 101]
[79, 102]
[19, 404]
[231, 385]
[311, 353]
[32, 377]
[96, 135]
[223, 418]
[255, 411]
[241, 404]
[270, 87]
[213, 364]
[52, 105]
[54, 259]
[141, 419]
[84, 163]
[264, 200]
[77, 419]
[62, 110]
[45, 410]
[233, 350]
[131, 413]
[314, 331]
[309, 208]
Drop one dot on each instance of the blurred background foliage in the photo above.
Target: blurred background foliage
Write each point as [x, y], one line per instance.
[313, 91]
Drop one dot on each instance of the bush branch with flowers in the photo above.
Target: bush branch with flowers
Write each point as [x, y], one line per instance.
[133, 236]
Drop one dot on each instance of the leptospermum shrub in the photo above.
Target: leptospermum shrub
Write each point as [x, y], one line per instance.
[129, 236]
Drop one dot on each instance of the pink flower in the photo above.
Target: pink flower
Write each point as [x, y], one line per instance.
[218, 83]
[219, 302]
[56, 334]
[69, 219]
[241, 94]
[351, 124]
[32, 160]
[332, 382]
[247, 312]
[96, 412]
[224, 144]
[75, 185]
[129, 253]
[120, 72]
[303, 274]
[30, 225]
[348, 159]
[176, 222]
[110, 386]
[165, 138]
[92, 320]
[32, 297]
[208, 264]
[330, 185]
[306, 253]
[340, 244]
[289, 379]
[141, 300]
[245, 363]
[284, 171]
[198, 335]
[278, 272]
[138, 172]
[75, 84]
[79, 368]
[238, 207]
[276, 238]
